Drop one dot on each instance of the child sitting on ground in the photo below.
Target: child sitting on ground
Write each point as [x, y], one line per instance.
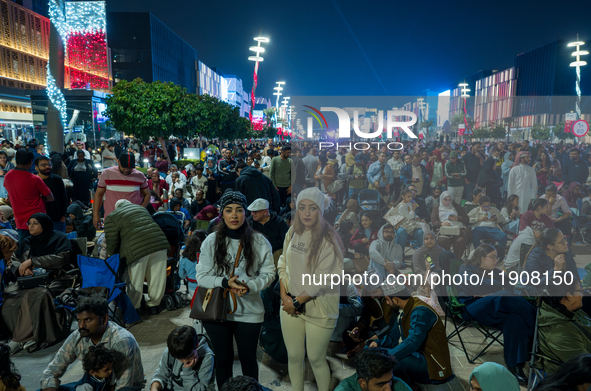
[98, 370]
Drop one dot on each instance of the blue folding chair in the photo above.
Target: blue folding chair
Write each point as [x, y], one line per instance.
[98, 272]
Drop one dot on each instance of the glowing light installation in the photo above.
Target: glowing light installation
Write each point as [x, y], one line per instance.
[256, 58]
[578, 64]
[54, 93]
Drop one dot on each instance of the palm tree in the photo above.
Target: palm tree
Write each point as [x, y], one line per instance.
[428, 124]
[269, 113]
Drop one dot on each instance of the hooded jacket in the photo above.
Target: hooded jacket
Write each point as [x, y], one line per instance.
[131, 232]
[382, 251]
[560, 338]
[494, 377]
[274, 230]
[83, 224]
[173, 376]
[253, 184]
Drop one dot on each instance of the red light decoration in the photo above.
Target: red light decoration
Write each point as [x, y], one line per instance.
[87, 60]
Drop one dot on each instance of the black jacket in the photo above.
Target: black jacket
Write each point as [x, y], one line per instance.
[227, 175]
[575, 171]
[473, 167]
[253, 184]
[196, 206]
[56, 209]
[274, 230]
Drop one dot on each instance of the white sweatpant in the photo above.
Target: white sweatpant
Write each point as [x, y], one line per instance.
[301, 337]
[456, 193]
[152, 268]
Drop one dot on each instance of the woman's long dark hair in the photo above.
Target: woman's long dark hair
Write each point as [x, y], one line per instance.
[571, 374]
[510, 200]
[222, 265]
[548, 163]
[8, 373]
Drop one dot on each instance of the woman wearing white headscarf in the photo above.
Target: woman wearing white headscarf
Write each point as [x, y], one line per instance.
[450, 214]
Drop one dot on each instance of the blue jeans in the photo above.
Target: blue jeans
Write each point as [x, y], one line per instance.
[59, 226]
[402, 237]
[468, 189]
[479, 233]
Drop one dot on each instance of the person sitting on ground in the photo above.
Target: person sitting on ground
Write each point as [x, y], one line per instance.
[349, 214]
[418, 339]
[9, 376]
[186, 364]
[243, 383]
[199, 203]
[572, 194]
[550, 254]
[176, 206]
[350, 308]
[485, 222]
[537, 216]
[385, 254]
[366, 233]
[208, 213]
[476, 194]
[98, 370]
[449, 214]
[527, 236]
[558, 204]
[6, 216]
[564, 329]
[511, 214]
[410, 225]
[574, 375]
[83, 224]
[94, 327]
[433, 199]
[429, 248]
[491, 376]
[373, 371]
[190, 258]
[492, 306]
[179, 194]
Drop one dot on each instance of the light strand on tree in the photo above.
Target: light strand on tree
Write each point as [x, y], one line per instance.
[57, 97]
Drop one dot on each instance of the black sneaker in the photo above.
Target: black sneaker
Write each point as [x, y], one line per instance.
[519, 374]
[154, 310]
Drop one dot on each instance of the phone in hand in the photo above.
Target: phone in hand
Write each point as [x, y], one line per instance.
[429, 261]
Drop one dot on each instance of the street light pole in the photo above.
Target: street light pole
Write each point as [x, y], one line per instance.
[279, 88]
[256, 58]
[578, 64]
[421, 104]
[463, 96]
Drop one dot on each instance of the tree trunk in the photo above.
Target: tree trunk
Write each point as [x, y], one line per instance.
[164, 150]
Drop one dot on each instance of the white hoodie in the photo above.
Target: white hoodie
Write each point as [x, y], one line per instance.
[381, 251]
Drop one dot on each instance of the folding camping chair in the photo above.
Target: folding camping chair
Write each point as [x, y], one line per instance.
[103, 273]
[455, 310]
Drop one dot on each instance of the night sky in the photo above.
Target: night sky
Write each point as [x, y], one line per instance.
[345, 47]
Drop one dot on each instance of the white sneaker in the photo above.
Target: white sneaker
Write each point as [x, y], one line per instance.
[15, 347]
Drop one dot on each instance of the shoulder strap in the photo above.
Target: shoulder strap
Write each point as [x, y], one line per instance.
[237, 260]
[226, 291]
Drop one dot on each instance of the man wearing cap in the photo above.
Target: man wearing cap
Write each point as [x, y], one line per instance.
[417, 338]
[455, 171]
[120, 182]
[269, 224]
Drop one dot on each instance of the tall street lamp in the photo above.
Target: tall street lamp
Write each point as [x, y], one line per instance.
[578, 64]
[279, 88]
[256, 58]
[464, 94]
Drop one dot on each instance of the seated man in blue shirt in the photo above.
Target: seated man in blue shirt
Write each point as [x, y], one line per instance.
[423, 353]
[373, 373]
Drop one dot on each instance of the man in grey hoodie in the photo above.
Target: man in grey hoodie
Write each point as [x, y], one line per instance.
[384, 253]
[186, 364]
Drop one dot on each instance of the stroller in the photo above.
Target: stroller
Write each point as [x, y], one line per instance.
[172, 228]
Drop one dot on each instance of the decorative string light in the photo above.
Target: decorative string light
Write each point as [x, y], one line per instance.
[57, 97]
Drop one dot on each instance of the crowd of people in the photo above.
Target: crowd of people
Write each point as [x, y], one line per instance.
[373, 212]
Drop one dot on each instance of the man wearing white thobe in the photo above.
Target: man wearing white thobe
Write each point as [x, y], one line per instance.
[522, 181]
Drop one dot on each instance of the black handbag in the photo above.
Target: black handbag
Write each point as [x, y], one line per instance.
[211, 304]
[30, 282]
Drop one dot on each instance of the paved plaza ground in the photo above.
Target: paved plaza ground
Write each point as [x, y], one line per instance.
[151, 336]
